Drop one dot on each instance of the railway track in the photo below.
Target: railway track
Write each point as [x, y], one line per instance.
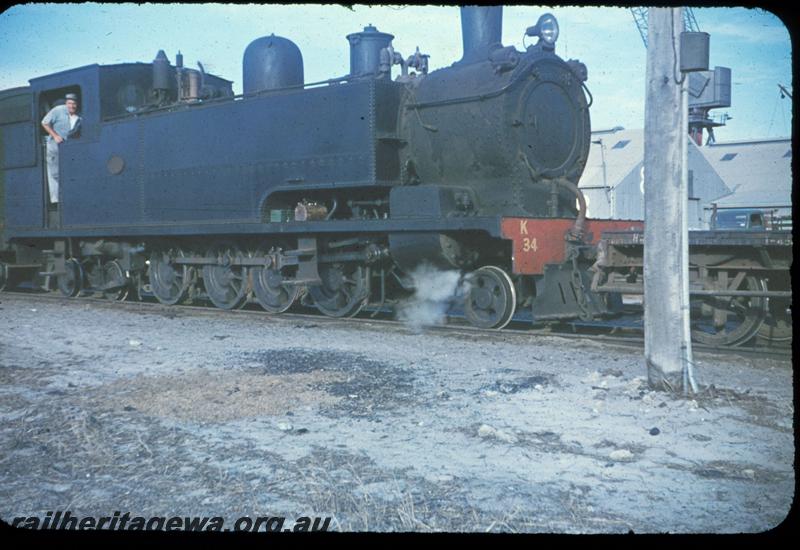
[455, 327]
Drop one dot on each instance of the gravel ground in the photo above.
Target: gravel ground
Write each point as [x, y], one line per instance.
[159, 411]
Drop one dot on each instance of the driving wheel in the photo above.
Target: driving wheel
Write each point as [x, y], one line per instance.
[271, 290]
[344, 290]
[71, 282]
[169, 281]
[225, 281]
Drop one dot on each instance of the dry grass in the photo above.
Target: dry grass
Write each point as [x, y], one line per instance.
[205, 396]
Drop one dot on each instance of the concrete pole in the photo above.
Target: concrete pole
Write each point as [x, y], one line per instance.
[667, 343]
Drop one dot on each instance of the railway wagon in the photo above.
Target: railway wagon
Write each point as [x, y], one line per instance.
[739, 281]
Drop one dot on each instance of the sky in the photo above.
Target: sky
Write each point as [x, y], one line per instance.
[39, 39]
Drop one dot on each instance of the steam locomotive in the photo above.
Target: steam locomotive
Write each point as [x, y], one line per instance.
[332, 192]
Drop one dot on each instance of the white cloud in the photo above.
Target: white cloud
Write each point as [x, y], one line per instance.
[760, 34]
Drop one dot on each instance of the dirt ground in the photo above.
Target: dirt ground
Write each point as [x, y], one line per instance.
[158, 411]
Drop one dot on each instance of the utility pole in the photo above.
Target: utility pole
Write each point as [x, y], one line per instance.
[667, 335]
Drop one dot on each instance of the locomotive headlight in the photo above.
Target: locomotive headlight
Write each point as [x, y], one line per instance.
[546, 29]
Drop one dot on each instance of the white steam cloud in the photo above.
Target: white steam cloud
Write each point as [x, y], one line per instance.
[433, 292]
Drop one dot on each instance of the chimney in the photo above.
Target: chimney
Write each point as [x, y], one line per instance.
[481, 30]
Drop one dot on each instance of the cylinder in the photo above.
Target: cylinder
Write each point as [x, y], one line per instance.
[161, 71]
[271, 62]
[481, 31]
[365, 51]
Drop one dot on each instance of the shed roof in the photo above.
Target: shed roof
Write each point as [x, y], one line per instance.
[759, 172]
[612, 156]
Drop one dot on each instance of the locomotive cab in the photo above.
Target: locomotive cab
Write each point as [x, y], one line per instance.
[105, 93]
[28, 203]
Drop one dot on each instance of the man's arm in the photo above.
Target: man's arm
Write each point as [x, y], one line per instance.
[53, 133]
[48, 118]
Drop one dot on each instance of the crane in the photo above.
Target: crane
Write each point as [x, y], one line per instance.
[698, 114]
[640, 18]
[783, 94]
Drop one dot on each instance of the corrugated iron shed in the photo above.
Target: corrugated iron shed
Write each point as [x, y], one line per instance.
[758, 172]
[612, 180]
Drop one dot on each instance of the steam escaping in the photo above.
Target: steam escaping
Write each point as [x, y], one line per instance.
[434, 291]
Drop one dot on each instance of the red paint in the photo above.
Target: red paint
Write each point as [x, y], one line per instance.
[540, 241]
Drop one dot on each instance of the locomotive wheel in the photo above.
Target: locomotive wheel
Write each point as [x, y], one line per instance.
[71, 283]
[115, 278]
[226, 284]
[728, 320]
[491, 298]
[270, 291]
[169, 282]
[777, 327]
[344, 290]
